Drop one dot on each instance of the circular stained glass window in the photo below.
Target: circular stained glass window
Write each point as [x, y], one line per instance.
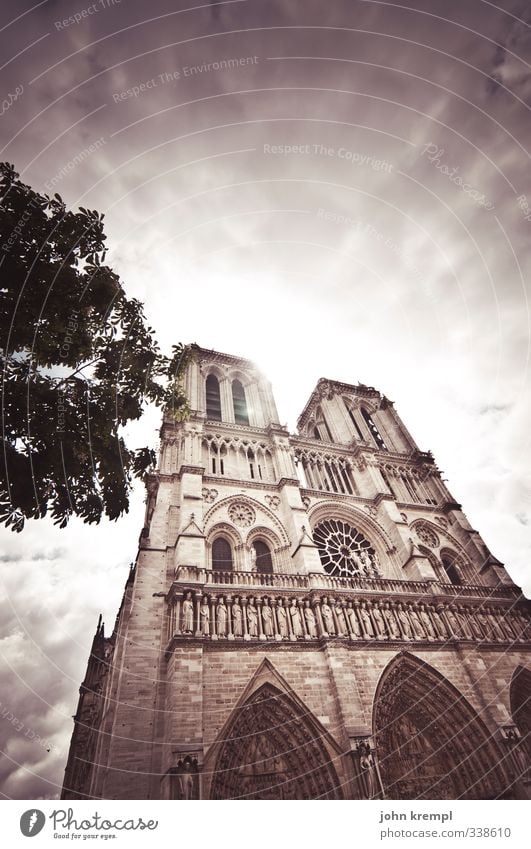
[427, 536]
[344, 550]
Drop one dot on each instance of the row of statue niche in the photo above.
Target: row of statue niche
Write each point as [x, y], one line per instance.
[301, 619]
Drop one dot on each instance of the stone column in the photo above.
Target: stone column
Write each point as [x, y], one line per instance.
[317, 610]
[177, 622]
[243, 605]
[198, 613]
[261, 634]
[213, 623]
[228, 603]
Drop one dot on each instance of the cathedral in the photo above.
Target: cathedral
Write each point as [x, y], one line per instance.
[310, 616]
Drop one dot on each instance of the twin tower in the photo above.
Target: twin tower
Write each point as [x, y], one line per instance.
[310, 616]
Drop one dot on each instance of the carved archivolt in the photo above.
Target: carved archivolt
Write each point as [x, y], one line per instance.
[262, 514]
[274, 749]
[431, 742]
[224, 529]
[265, 533]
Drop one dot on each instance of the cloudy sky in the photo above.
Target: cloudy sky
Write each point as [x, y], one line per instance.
[331, 189]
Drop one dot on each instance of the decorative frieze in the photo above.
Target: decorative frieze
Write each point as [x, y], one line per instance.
[273, 617]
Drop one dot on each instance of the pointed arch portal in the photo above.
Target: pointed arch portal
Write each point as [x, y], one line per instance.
[431, 742]
[520, 696]
[274, 750]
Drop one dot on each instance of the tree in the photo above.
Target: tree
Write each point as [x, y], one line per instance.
[78, 363]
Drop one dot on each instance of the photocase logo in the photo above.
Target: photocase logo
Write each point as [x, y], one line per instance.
[32, 822]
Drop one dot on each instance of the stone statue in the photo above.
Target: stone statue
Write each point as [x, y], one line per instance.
[366, 563]
[353, 620]
[309, 618]
[455, 624]
[204, 617]
[340, 617]
[295, 615]
[366, 622]
[267, 619]
[474, 625]
[416, 624]
[392, 625]
[426, 622]
[378, 620]
[237, 619]
[221, 618]
[438, 623]
[188, 614]
[252, 618]
[186, 780]
[405, 624]
[484, 622]
[282, 619]
[503, 625]
[369, 781]
[464, 623]
[328, 619]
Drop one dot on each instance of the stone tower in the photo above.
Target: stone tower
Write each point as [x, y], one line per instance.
[309, 616]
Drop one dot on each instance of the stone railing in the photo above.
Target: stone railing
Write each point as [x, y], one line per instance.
[232, 614]
[320, 580]
[257, 579]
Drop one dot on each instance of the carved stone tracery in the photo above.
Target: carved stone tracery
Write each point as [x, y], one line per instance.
[241, 514]
[431, 743]
[273, 750]
[344, 550]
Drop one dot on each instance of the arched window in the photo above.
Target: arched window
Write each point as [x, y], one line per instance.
[213, 400]
[240, 404]
[375, 433]
[344, 550]
[316, 434]
[350, 411]
[221, 554]
[264, 564]
[451, 570]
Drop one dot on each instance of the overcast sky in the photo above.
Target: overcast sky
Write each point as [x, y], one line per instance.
[346, 198]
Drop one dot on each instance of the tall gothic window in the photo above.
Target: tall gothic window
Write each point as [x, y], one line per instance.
[241, 415]
[264, 564]
[316, 434]
[375, 433]
[221, 554]
[350, 411]
[451, 570]
[213, 400]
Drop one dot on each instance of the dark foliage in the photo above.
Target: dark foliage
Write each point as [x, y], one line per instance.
[78, 363]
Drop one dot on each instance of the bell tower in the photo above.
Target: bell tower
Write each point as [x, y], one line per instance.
[305, 610]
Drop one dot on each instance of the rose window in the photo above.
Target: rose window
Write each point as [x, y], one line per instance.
[241, 514]
[344, 551]
[427, 536]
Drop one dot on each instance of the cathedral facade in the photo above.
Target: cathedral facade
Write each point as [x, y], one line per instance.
[310, 616]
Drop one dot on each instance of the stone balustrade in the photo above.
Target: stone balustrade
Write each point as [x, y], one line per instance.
[194, 613]
[320, 580]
